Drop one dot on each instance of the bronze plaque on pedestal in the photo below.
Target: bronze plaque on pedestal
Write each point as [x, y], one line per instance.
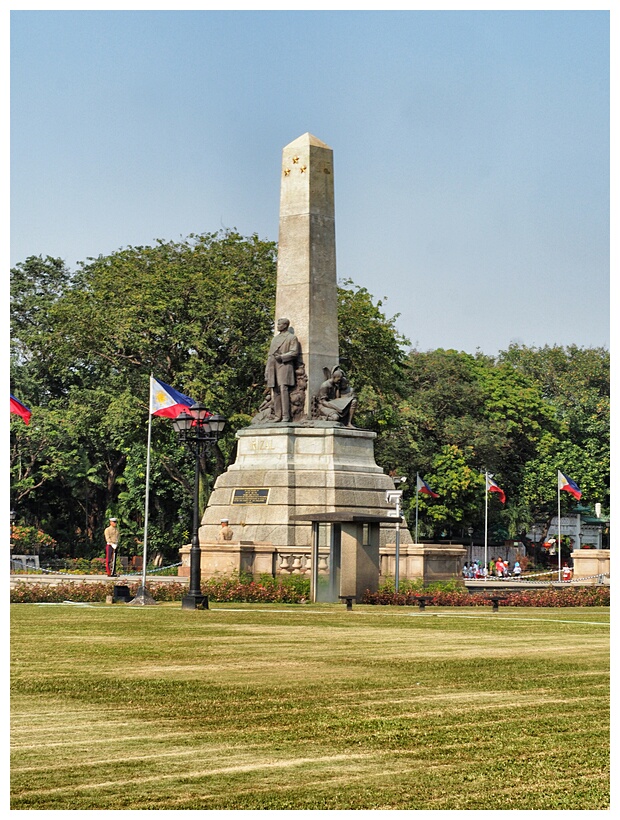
[250, 495]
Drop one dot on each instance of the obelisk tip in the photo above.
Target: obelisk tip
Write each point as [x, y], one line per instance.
[308, 139]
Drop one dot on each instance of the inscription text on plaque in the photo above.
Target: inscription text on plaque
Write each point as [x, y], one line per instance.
[250, 495]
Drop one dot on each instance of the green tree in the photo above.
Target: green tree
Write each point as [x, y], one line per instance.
[198, 314]
[522, 416]
[575, 382]
[484, 413]
[36, 286]
[372, 351]
[460, 488]
[373, 354]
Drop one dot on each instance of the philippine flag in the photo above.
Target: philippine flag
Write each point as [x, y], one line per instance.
[166, 401]
[20, 409]
[492, 487]
[566, 483]
[424, 488]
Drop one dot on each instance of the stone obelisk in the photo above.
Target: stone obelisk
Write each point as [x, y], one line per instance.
[306, 292]
[287, 471]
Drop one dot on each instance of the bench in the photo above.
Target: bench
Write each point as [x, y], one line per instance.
[348, 599]
[421, 600]
[496, 599]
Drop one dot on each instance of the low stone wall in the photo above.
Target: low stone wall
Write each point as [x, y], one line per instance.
[231, 557]
[589, 563]
[429, 562]
[250, 557]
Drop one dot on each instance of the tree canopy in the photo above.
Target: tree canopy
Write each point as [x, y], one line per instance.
[198, 314]
[522, 415]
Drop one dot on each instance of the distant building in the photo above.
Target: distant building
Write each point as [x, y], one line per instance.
[582, 526]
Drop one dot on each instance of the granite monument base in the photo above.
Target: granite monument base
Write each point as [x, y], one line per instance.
[286, 470]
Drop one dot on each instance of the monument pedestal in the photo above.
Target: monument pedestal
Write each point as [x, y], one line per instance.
[284, 471]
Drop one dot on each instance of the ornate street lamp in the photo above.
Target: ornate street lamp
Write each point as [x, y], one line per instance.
[12, 516]
[395, 497]
[198, 430]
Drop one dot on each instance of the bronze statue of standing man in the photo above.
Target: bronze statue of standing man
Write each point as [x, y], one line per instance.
[280, 369]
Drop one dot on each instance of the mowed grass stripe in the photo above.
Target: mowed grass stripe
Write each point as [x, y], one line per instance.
[379, 708]
[355, 783]
[344, 698]
[507, 613]
[30, 721]
[214, 648]
[213, 771]
[122, 757]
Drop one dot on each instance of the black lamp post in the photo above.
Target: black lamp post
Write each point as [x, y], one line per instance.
[198, 430]
[13, 516]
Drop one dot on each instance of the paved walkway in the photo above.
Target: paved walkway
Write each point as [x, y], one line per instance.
[64, 577]
[494, 584]
[491, 585]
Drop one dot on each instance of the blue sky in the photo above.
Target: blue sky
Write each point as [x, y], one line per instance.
[471, 150]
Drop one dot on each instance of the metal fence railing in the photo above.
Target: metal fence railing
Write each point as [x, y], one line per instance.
[18, 566]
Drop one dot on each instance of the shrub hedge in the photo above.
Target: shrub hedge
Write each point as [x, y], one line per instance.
[548, 597]
[294, 590]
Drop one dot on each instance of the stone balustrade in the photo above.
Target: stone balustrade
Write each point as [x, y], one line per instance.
[299, 562]
[430, 562]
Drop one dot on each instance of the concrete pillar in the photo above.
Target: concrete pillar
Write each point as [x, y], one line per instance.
[359, 556]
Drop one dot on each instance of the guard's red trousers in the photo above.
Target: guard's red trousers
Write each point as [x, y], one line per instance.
[110, 559]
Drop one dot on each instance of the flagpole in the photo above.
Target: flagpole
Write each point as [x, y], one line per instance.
[417, 493]
[486, 515]
[559, 534]
[148, 475]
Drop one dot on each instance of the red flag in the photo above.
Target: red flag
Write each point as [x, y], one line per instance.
[20, 409]
[492, 487]
[166, 401]
[567, 483]
[424, 488]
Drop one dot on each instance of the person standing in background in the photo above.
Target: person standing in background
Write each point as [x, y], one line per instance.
[111, 545]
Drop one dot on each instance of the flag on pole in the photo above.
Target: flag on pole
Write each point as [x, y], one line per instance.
[166, 401]
[20, 409]
[424, 488]
[566, 483]
[492, 487]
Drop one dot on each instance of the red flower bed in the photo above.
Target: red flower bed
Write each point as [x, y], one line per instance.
[25, 593]
[548, 597]
[269, 590]
[293, 591]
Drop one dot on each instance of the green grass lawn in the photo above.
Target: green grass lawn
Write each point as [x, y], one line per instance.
[253, 706]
